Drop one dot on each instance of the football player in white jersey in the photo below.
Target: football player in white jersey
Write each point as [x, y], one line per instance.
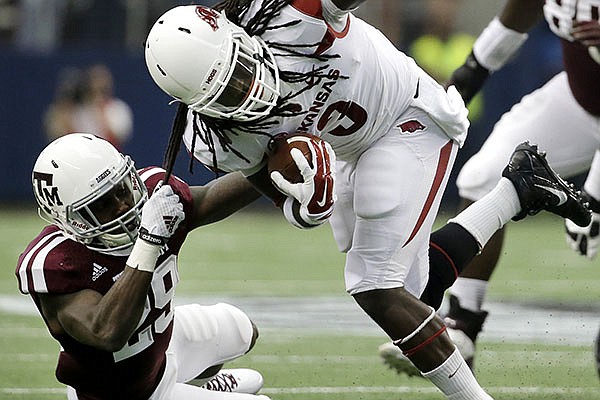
[103, 276]
[248, 71]
[563, 117]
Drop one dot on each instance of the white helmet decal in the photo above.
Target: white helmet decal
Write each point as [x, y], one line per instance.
[75, 177]
[197, 56]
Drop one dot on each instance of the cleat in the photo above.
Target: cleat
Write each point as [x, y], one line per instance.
[540, 188]
[240, 380]
[392, 357]
[463, 328]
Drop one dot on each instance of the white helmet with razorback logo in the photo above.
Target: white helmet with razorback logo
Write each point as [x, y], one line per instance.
[196, 55]
[70, 179]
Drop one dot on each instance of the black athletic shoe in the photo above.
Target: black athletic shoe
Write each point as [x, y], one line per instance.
[463, 328]
[540, 188]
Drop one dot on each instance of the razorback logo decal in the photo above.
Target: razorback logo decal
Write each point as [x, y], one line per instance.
[209, 16]
[411, 126]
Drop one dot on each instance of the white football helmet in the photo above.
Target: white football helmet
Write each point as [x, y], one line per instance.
[91, 191]
[196, 55]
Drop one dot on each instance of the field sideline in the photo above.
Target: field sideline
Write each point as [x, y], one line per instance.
[284, 278]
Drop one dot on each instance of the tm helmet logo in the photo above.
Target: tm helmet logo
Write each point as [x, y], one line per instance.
[43, 184]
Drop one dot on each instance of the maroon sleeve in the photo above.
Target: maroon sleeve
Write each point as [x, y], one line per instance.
[53, 263]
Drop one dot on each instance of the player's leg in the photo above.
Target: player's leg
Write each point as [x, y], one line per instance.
[528, 186]
[549, 117]
[204, 338]
[398, 185]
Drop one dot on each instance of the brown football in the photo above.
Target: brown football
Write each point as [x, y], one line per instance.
[281, 160]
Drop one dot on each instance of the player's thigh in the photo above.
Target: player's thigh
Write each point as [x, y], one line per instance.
[343, 219]
[549, 117]
[398, 187]
[204, 336]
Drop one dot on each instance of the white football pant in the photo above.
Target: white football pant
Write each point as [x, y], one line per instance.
[203, 336]
[387, 203]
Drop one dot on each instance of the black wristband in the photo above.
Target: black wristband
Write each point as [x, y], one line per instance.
[480, 72]
[150, 238]
[469, 78]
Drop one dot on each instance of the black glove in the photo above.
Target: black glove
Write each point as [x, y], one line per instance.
[469, 78]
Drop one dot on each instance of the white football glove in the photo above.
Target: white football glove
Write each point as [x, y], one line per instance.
[161, 216]
[310, 202]
[586, 240]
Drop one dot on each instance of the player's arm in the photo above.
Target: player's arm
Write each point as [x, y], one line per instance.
[220, 198]
[107, 321]
[522, 15]
[104, 322]
[262, 182]
[498, 42]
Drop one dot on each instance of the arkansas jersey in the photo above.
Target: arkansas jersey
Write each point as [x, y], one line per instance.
[357, 87]
[55, 264]
[582, 70]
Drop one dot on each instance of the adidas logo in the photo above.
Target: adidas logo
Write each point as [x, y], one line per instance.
[98, 271]
[170, 222]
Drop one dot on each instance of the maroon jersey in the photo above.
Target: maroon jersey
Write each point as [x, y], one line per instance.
[583, 72]
[54, 264]
[584, 76]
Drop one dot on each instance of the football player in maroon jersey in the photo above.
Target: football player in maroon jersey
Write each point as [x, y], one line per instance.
[563, 117]
[104, 272]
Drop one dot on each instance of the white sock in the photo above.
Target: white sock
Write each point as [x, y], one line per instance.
[488, 214]
[592, 182]
[454, 378]
[470, 292]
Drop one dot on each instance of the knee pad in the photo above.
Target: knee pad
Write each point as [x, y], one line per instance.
[412, 350]
[202, 323]
[477, 178]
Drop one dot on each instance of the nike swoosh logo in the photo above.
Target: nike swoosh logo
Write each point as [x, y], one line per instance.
[454, 373]
[562, 197]
[322, 202]
[417, 91]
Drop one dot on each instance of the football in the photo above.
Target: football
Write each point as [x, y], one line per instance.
[281, 160]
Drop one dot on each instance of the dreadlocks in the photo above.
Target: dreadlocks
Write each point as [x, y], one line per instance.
[209, 128]
[177, 132]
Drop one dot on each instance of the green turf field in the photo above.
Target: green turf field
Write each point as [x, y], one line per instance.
[258, 257]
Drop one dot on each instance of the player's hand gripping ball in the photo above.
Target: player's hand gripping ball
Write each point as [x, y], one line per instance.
[301, 166]
[280, 156]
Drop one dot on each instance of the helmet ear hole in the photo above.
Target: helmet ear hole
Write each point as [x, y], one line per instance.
[161, 70]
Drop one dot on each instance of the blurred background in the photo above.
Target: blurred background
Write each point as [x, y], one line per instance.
[70, 65]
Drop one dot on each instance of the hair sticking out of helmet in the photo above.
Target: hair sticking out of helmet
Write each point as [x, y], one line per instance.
[177, 131]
